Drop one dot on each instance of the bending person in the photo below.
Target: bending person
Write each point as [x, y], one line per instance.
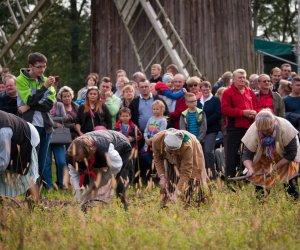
[99, 156]
[179, 160]
[18, 156]
[271, 153]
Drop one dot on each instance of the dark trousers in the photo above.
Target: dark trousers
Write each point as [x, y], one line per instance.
[234, 137]
[292, 189]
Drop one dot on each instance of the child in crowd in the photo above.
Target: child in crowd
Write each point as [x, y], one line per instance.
[125, 126]
[156, 123]
[193, 119]
[164, 91]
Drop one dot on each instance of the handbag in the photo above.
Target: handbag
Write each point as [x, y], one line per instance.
[61, 136]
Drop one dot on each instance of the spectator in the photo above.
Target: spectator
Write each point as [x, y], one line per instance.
[167, 79]
[193, 119]
[292, 104]
[238, 105]
[112, 102]
[194, 85]
[138, 77]
[275, 78]
[285, 88]
[286, 72]
[141, 106]
[225, 81]
[125, 126]
[292, 101]
[211, 106]
[92, 113]
[8, 100]
[266, 98]
[90, 81]
[128, 93]
[253, 82]
[58, 115]
[155, 73]
[121, 82]
[165, 92]
[66, 95]
[156, 123]
[36, 95]
[172, 69]
[179, 105]
[119, 73]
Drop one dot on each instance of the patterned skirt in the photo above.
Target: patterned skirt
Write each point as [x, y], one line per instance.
[194, 193]
[266, 165]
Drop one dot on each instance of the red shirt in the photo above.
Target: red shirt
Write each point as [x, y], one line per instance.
[265, 101]
[234, 102]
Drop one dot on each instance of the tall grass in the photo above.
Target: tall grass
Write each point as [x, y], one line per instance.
[229, 221]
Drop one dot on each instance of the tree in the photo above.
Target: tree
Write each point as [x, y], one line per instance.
[275, 19]
[64, 37]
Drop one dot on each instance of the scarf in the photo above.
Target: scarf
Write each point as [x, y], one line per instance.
[269, 143]
[85, 176]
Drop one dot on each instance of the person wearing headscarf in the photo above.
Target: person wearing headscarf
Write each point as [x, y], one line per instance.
[179, 160]
[271, 153]
[95, 159]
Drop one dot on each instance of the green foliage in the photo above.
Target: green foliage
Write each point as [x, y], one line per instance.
[53, 38]
[275, 19]
[229, 221]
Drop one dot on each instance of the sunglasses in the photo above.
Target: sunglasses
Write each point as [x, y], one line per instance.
[192, 85]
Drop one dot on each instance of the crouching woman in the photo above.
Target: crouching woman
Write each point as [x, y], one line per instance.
[179, 160]
[271, 153]
[99, 162]
[18, 156]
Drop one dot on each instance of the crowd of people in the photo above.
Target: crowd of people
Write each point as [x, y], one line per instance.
[181, 133]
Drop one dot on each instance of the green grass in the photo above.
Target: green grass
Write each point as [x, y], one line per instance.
[230, 221]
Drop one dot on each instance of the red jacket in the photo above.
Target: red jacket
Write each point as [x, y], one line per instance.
[234, 102]
[132, 131]
[175, 116]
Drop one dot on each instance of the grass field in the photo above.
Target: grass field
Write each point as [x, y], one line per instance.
[230, 221]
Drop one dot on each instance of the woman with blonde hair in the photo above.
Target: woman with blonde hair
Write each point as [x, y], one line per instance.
[285, 88]
[66, 95]
[271, 153]
[92, 113]
[121, 82]
[128, 93]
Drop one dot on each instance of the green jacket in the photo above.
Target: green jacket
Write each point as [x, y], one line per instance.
[37, 96]
[201, 120]
[113, 105]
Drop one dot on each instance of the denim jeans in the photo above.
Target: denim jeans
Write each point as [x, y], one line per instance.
[42, 152]
[59, 152]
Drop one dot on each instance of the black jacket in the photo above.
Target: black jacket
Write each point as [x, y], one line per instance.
[20, 155]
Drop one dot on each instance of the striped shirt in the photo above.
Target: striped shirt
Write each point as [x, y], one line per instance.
[192, 123]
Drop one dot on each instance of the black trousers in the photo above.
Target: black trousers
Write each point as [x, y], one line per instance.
[234, 137]
[292, 189]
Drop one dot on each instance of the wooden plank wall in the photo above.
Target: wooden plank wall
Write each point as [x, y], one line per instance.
[216, 32]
